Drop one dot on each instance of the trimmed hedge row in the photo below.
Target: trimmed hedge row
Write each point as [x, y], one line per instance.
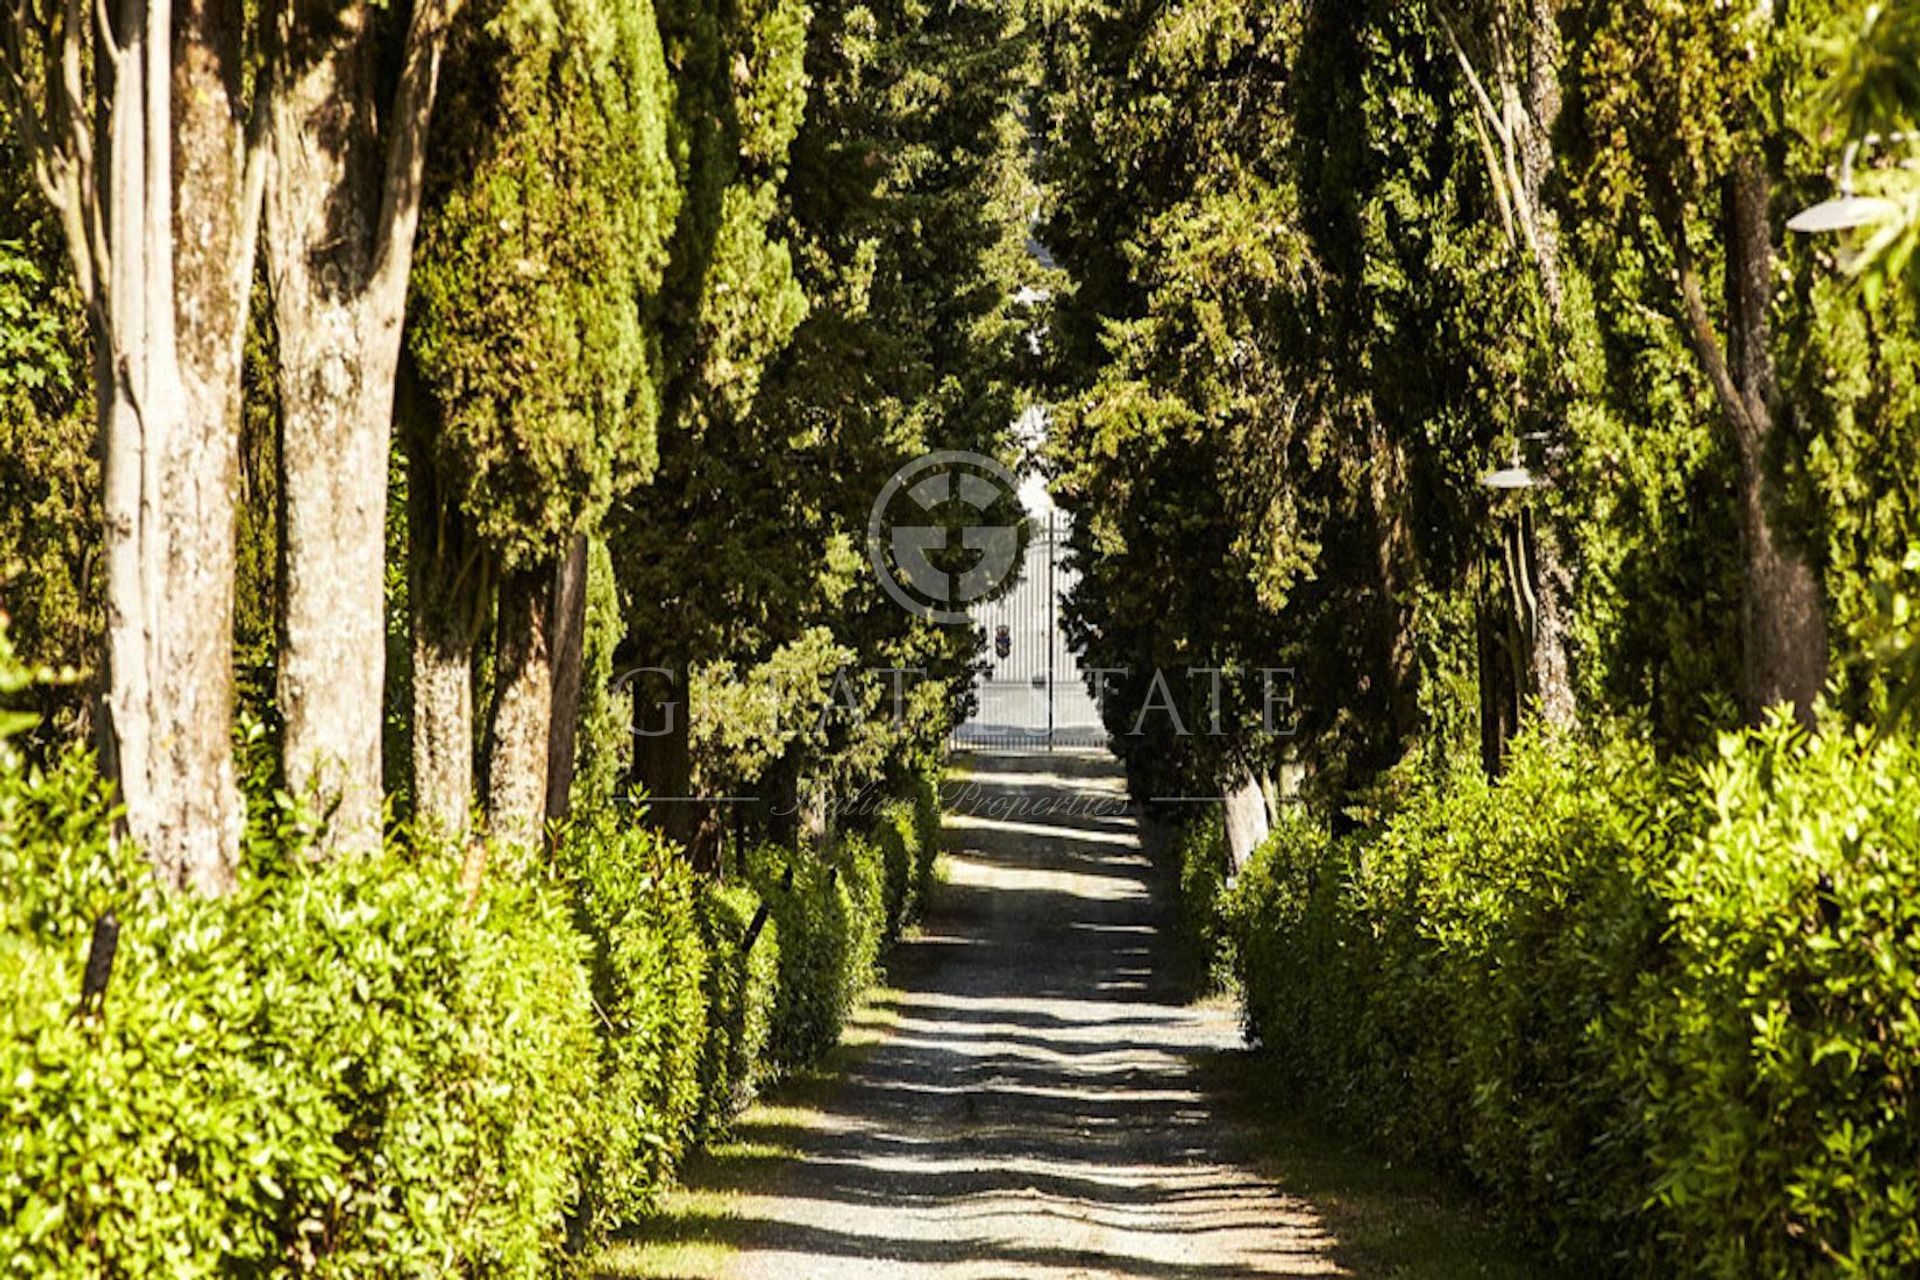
[1668, 1018]
[349, 1069]
[338, 1070]
[1200, 859]
[836, 914]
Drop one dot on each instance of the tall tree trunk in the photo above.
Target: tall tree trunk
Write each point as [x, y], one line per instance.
[446, 594]
[1549, 590]
[168, 334]
[663, 751]
[1549, 666]
[442, 722]
[1394, 564]
[1782, 614]
[1783, 627]
[569, 631]
[1244, 808]
[341, 213]
[1526, 81]
[1498, 705]
[135, 122]
[522, 715]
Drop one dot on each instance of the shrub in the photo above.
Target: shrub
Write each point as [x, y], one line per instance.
[1458, 981]
[339, 1068]
[828, 914]
[898, 839]
[742, 983]
[1671, 1021]
[1200, 860]
[636, 901]
[863, 869]
[1780, 1055]
[927, 830]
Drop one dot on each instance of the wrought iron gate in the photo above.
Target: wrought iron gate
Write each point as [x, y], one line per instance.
[1032, 693]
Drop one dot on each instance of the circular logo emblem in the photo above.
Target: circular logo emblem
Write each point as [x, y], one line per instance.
[930, 538]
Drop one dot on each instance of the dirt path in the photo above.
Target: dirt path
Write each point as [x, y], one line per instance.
[1034, 1111]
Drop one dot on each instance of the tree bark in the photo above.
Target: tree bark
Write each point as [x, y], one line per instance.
[1783, 628]
[569, 631]
[1549, 665]
[1782, 614]
[341, 213]
[446, 596]
[1527, 82]
[663, 752]
[442, 725]
[1549, 669]
[522, 714]
[1244, 807]
[167, 236]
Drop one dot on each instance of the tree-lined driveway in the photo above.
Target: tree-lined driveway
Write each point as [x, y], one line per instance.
[1034, 1110]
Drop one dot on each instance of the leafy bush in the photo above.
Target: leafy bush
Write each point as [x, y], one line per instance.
[339, 1069]
[1670, 1021]
[1780, 1055]
[927, 829]
[897, 837]
[636, 902]
[863, 868]
[743, 968]
[1200, 857]
[828, 911]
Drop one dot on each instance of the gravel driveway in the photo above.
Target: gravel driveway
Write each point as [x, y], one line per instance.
[1034, 1111]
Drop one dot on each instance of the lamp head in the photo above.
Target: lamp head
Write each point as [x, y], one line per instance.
[1844, 213]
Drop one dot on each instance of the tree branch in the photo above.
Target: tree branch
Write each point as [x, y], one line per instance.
[52, 123]
[1706, 343]
[407, 147]
[1487, 107]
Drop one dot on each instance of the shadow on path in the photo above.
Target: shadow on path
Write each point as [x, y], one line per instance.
[1034, 1107]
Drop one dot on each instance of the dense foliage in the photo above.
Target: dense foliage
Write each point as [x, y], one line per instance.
[1453, 362]
[346, 1067]
[1458, 359]
[339, 1068]
[1309, 312]
[1662, 1016]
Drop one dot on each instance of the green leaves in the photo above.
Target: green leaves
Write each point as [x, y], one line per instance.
[1665, 1019]
[543, 251]
[336, 1070]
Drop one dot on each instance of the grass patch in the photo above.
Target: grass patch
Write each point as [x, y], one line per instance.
[1389, 1219]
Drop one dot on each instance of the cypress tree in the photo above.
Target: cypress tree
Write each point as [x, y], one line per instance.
[543, 250]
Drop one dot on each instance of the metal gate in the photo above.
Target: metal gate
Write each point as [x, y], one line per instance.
[1032, 693]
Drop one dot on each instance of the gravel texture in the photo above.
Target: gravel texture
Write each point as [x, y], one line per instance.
[1034, 1109]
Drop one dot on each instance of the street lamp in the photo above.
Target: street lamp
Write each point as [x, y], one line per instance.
[1518, 476]
[1847, 211]
[1508, 479]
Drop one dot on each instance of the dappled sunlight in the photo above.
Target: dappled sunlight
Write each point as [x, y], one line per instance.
[1099, 888]
[1027, 1102]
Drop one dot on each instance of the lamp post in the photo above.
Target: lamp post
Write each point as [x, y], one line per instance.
[1503, 683]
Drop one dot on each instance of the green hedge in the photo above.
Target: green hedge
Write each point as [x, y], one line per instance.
[830, 912]
[898, 838]
[340, 1069]
[636, 900]
[1200, 860]
[1664, 1020]
[926, 830]
[907, 832]
[743, 946]
[1782, 1051]
[352, 1069]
